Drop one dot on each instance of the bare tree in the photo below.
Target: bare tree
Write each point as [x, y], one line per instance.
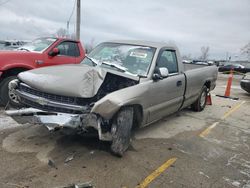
[246, 50]
[89, 46]
[61, 32]
[204, 53]
[187, 57]
[72, 36]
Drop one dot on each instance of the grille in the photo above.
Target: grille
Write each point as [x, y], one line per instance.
[243, 84]
[47, 108]
[52, 97]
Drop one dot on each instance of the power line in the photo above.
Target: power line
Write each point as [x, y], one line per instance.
[70, 17]
[72, 11]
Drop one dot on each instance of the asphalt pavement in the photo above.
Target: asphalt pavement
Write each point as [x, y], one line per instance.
[187, 149]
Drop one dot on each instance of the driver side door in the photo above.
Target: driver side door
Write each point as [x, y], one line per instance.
[167, 93]
[69, 53]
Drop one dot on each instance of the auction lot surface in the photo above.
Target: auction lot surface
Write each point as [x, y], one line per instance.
[188, 149]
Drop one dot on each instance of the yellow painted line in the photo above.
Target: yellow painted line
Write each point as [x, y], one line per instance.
[232, 110]
[156, 173]
[207, 130]
[228, 113]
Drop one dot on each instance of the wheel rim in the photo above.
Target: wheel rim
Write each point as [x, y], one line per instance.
[203, 98]
[13, 97]
[113, 129]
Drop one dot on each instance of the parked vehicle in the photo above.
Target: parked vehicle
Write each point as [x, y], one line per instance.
[121, 85]
[236, 67]
[245, 83]
[39, 53]
[13, 44]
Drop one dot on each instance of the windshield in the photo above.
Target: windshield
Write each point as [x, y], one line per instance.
[38, 45]
[127, 58]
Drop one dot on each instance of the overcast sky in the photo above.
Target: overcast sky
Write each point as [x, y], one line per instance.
[223, 25]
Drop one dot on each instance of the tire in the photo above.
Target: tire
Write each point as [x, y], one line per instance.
[1, 103]
[121, 131]
[6, 96]
[200, 103]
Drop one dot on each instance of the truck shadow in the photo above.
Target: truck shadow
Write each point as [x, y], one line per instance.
[86, 142]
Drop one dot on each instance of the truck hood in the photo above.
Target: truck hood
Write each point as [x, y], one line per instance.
[69, 80]
[15, 53]
[17, 57]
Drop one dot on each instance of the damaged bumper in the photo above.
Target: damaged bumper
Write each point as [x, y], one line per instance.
[56, 121]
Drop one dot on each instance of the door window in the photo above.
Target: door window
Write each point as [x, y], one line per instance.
[68, 48]
[168, 59]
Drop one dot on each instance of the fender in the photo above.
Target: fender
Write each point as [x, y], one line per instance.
[17, 65]
[109, 105]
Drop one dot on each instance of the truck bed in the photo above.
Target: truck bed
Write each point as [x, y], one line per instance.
[196, 76]
[188, 66]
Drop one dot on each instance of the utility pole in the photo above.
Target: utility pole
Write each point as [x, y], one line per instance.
[78, 19]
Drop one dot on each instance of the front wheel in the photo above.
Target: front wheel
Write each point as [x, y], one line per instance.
[121, 131]
[200, 103]
[8, 96]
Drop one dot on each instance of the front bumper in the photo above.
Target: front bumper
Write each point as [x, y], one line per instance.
[245, 85]
[55, 121]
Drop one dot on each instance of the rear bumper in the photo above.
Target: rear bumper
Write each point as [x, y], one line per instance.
[245, 85]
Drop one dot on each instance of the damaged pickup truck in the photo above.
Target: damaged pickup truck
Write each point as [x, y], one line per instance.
[120, 86]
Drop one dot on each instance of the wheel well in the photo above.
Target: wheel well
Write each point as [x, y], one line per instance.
[208, 84]
[13, 72]
[138, 115]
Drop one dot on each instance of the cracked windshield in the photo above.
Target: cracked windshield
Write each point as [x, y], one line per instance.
[131, 59]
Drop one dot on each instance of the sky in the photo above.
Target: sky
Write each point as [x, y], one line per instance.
[223, 25]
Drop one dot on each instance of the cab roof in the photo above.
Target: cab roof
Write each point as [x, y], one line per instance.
[145, 43]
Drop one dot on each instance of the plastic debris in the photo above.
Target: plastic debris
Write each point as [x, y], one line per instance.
[52, 164]
[69, 158]
[80, 185]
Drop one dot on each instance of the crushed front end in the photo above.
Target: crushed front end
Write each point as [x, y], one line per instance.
[57, 111]
[60, 111]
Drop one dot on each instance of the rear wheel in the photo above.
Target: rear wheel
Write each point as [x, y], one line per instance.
[200, 103]
[121, 131]
[8, 96]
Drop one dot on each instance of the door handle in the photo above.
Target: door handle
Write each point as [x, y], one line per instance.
[179, 83]
[39, 62]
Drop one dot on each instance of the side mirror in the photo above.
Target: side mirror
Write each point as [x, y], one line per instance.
[163, 72]
[160, 73]
[54, 52]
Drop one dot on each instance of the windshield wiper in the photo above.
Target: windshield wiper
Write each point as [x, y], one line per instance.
[93, 61]
[120, 68]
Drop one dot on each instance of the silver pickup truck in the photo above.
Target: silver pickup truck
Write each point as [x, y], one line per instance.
[119, 86]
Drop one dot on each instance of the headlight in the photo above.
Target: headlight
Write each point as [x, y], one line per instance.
[246, 76]
[13, 84]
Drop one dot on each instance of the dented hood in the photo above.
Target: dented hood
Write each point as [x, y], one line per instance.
[68, 80]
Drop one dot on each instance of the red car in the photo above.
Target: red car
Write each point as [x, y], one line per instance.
[39, 53]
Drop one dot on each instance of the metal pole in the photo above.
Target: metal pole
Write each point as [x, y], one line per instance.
[78, 19]
[67, 28]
